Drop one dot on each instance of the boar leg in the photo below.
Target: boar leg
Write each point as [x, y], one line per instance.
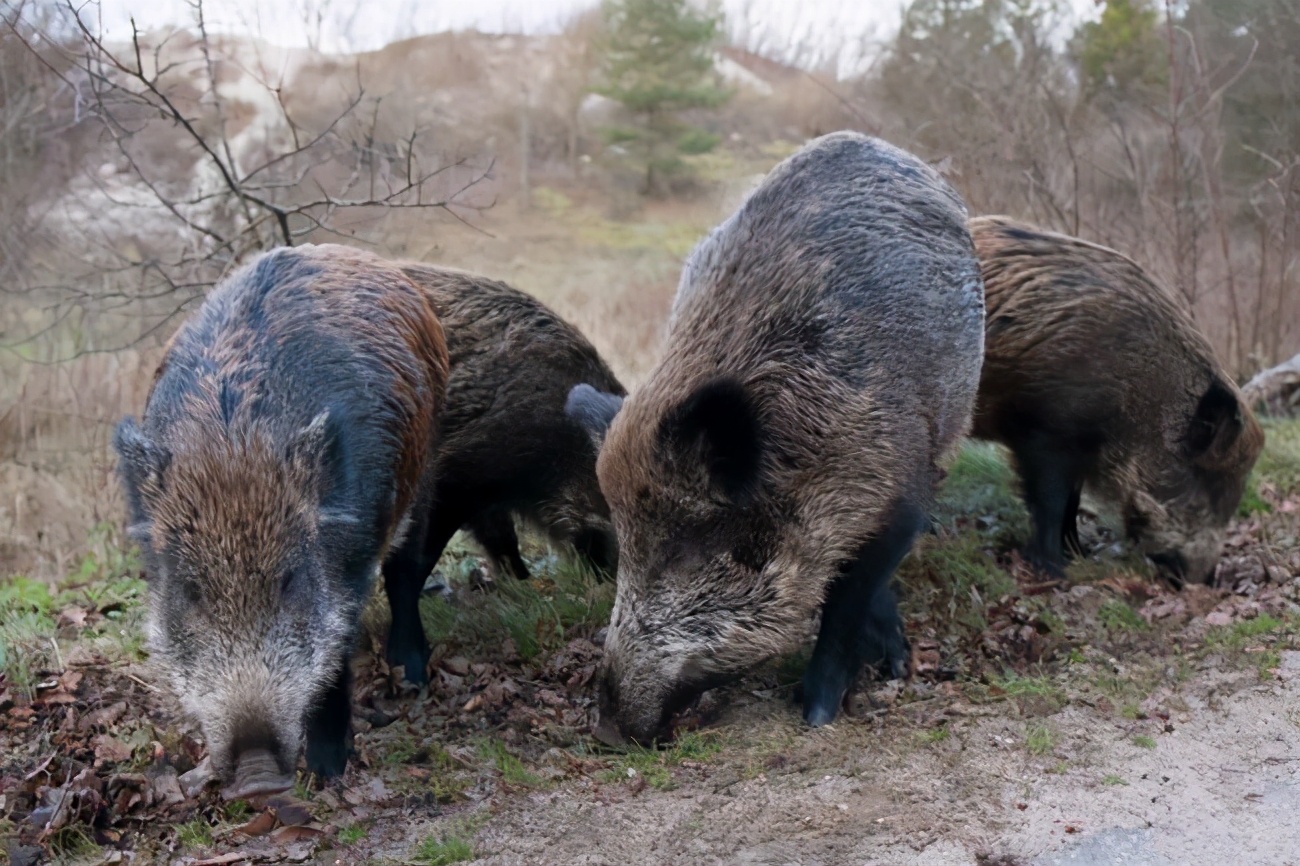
[405, 571]
[495, 531]
[1053, 480]
[860, 622]
[1070, 524]
[329, 727]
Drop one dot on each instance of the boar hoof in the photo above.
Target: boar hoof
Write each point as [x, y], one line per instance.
[413, 663]
[823, 692]
[328, 759]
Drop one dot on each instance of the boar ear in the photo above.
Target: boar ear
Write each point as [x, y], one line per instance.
[1215, 425]
[593, 410]
[141, 463]
[720, 423]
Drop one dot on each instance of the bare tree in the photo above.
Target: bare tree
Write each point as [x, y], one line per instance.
[217, 161]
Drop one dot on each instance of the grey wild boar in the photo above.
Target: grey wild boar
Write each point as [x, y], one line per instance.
[284, 453]
[506, 446]
[1094, 376]
[821, 359]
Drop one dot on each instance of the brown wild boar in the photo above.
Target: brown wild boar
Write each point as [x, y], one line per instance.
[284, 453]
[1094, 376]
[822, 357]
[506, 446]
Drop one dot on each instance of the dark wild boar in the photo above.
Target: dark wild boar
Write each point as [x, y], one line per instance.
[506, 446]
[821, 358]
[1094, 376]
[285, 449]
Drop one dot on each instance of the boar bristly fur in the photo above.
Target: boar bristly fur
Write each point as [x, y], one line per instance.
[1095, 376]
[506, 446]
[822, 358]
[284, 445]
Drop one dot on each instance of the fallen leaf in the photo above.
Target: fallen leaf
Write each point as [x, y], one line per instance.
[166, 788]
[289, 810]
[110, 750]
[262, 824]
[103, 718]
[221, 859]
[473, 703]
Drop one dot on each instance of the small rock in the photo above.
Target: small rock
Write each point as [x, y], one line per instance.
[24, 855]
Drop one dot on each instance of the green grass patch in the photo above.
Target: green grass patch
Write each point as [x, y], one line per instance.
[981, 481]
[934, 736]
[352, 834]
[655, 765]
[1142, 741]
[1040, 739]
[1119, 615]
[237, 811]
[1246, 631]
[512, 770]
[27, 633]
[536, 615]
[1039, 687]
[442, 851]
[1251, 501]
[1112, 779]
[194, 834]
[72, 843]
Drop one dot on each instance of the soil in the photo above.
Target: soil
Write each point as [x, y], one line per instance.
[1172, 739]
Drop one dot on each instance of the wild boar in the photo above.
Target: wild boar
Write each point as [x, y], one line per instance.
[506, 446]
[1095, 377]
[821, 359]
[283, 455]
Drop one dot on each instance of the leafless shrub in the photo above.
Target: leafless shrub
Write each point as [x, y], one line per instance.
[211, 154]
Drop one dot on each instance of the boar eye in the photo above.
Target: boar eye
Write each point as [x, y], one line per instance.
[190, 589]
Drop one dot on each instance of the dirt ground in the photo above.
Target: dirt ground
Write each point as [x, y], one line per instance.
[1108, 719]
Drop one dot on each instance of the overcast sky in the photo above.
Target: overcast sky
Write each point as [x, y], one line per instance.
[837, 28]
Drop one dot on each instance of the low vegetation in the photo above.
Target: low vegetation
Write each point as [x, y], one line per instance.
[510, 704]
